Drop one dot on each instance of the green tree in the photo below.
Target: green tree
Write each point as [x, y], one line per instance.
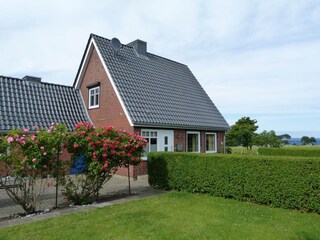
[267, 139]
[242, 133]
[284, 138]
[305, 140]
[312, 140]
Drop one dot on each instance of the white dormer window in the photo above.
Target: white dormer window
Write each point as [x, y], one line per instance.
[94, 97]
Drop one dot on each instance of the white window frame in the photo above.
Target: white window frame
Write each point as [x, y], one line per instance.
[215, 141]
[199, 140]
[91, 106]
[149, 138]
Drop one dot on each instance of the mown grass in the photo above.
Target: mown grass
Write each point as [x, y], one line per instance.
[174, 215]
[243, 150]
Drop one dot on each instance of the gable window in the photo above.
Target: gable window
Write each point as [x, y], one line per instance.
[193, 141]
[94, 97]
[211, 142]
[152, 139]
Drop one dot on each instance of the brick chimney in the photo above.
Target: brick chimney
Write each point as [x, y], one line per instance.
[32, 79]
[140, 46]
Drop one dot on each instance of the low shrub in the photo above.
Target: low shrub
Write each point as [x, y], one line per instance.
[294, 183]
[291, 151]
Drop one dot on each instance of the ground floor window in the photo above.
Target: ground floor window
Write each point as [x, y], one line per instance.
[193, 141]
[211, 142]
[152, 139]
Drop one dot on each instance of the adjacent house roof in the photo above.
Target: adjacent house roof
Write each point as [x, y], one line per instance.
[156, 91]
[28, 102]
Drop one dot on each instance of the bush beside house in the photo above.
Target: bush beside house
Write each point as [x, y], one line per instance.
[286, 182]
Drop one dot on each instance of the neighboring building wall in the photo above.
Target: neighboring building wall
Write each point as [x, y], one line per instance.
[110, 112]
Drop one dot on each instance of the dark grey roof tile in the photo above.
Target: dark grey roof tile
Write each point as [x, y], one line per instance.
[26, 104]
[166, 89]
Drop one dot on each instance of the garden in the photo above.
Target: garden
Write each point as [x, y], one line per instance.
[36, 158]
[253, 193]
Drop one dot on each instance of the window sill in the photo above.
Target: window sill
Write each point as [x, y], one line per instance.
[93, 107]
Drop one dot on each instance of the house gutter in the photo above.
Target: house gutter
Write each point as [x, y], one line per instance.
[166, 126]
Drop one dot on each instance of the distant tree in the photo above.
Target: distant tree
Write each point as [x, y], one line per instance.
[267, 139]
[305, 140]
[284, 139]
[312, 140]
[242, 133]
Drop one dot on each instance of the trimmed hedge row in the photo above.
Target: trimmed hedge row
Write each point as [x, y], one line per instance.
[291, 151]
[293, 183]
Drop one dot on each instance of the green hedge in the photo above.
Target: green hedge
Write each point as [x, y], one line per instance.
[291, 151]
[294, 183]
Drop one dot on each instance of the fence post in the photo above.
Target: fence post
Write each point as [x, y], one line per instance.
[129, 179]
[57, 176]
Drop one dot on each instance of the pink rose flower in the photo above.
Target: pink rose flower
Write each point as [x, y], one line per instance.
[10, 139]
[33, 137]
[34, 160]
[42, 147]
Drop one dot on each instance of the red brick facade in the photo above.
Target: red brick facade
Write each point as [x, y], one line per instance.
[110, 111]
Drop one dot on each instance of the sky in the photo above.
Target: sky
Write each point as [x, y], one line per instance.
[259, 59]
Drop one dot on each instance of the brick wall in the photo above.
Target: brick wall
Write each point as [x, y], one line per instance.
[2, 170]
[110, 112]
[220, 140]
[180, 138]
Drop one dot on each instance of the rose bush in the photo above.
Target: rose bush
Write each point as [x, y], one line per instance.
[32, 155]
[104, 150]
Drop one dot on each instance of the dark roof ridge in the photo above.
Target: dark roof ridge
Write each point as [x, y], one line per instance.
[126, 45]
[14, 78]
[46, 83]
[168, 59]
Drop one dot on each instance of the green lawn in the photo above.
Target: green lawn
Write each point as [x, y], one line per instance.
[243, 150]
[174, 215]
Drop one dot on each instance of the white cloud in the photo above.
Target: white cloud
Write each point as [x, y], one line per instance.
[252, 57]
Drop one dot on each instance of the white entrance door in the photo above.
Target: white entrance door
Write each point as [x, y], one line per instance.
[166, 141]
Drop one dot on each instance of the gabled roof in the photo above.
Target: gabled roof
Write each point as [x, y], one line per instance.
[156, 91]
[27, 103]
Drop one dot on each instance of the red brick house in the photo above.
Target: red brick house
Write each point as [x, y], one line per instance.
[125, 87]
[160, 99]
